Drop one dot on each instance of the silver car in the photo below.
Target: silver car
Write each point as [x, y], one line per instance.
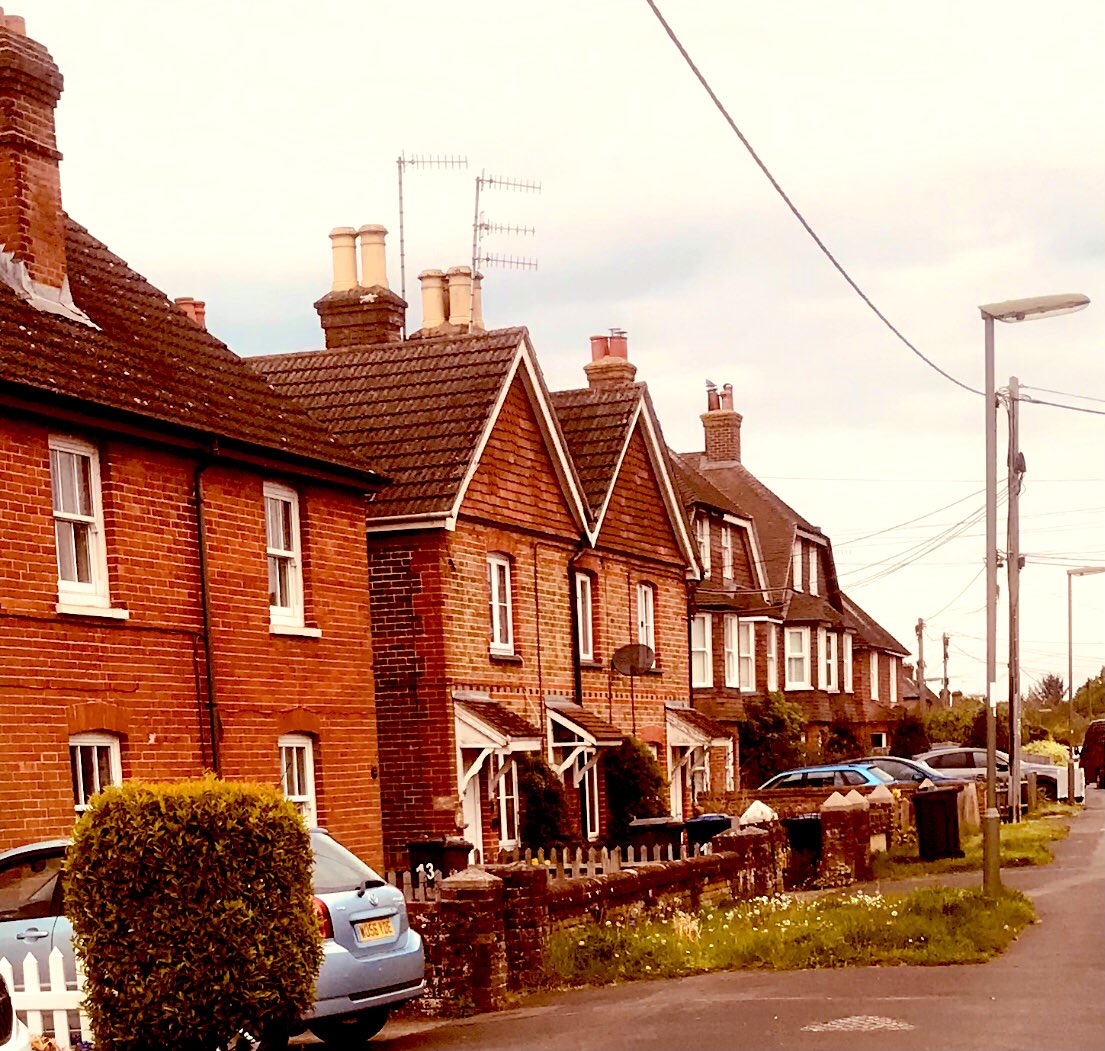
[970, 763]
[372, 960]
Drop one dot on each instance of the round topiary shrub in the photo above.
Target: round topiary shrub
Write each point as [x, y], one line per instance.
[193, 914]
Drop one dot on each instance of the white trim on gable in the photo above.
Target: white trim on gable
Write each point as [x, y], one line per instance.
[749, 526]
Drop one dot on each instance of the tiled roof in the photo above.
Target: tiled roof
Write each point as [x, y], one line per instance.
[695, 488]
[873, 633]
[602, 731]
[804, 607]
[699, 721]
[414, 409]
[712, 595]
[594, 423]
[500, 718]
[147, 359]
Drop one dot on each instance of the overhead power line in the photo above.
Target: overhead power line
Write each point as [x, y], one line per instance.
[794, 210]
[902, 525]
[1062, 393]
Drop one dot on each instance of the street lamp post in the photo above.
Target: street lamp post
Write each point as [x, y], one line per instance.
[1009, 311]
[1082, 571]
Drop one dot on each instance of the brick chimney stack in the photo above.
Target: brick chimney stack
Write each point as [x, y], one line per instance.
[360, 311]
[32, 224]
[722, 425]
[610, 367]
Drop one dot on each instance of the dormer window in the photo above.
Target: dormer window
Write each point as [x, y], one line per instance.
[796, 565]
[702, 534]
[813, 569]
[727, 552]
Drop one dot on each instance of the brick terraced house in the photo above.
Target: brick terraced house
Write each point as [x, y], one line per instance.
[183, 586]
[771, 581]
[505, 572]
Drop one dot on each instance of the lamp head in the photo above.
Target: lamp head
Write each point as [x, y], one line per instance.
[1037, 307]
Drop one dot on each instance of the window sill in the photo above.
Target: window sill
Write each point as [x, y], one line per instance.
[72, 609]
[795, 687]
[504, 658]
[592, 665]
[295, 630]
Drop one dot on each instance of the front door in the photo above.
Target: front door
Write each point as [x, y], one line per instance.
[473, 815]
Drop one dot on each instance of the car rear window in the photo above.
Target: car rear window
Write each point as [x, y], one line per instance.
[336, 868]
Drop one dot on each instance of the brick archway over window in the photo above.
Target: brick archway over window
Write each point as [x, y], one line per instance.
[298, 721]
[97, 717]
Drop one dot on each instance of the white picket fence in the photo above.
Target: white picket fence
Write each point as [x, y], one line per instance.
[50, 1008]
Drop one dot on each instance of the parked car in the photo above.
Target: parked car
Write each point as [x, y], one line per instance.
[13, 1033]
[372, 959]
[1091, 758]
[970, 763]
[840, 775]
[903, 771]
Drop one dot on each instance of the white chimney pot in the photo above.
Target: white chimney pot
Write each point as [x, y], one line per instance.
[433, 294]
[460, 296]
[373, 256]
[345, 258]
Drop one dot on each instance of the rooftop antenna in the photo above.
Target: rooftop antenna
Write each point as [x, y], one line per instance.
[418, 160]
[481, 226]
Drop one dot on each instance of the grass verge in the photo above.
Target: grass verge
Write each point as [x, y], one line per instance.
[933, 926]
[1025, 843]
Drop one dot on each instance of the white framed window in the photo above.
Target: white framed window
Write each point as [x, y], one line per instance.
[878, 738]
[702, 534]
[508, 804]
[772, 658]
[284, 556]
[94, 763]
[500, 615]
[646, 616]
[732, 649]
[702, 656]
[585, 624]
[78, 522]
[893, 662]
[588, 796]
[848, 664]
[796, 647]
[796, 565]
[813, 570]
[874, 675]
[746, 649]
[829, 660]
[727, 552]
[297, 775]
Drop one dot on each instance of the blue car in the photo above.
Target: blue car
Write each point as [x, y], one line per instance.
[903, 771]
[372, 960]
[830, 775]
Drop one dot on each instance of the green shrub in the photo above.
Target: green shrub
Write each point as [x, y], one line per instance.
[841, 742]
[192, 911]
[909, 736]
[771, 738]
[544, 821]
[634, 787]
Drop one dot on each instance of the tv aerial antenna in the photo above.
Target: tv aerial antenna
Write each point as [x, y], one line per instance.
[418, 160]
[481, 227]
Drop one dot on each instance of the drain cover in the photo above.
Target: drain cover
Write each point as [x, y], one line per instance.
[857, 1024]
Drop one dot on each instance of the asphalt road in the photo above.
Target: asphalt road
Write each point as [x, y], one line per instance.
[1045, 993]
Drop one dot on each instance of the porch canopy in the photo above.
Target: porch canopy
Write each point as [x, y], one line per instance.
[691, 735]
[576, 737]
[484, 729]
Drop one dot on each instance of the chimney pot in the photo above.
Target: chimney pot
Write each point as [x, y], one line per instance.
[713, 402]
[600, 347]
[477, 303]
[727, 397]
[433, 298]
[460, 296]
[196, 309]
[373, 256]
[619, 345]
[15, 23]
[345, 258]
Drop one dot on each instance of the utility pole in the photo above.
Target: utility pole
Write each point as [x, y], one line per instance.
[945, 693]
[920, 666]
[1013, 561]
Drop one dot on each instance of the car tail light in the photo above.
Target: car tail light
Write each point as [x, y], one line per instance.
[322, 914]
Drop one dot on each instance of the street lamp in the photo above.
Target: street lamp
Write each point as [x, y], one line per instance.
[1082, 571]
[1009, 311]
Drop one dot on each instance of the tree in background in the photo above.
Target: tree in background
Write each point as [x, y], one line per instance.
[909, 736]
[954, 723]
[771, 738]
[1049, 692]
[977, 736]
[634, 787]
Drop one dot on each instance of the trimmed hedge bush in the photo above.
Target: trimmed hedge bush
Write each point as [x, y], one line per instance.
[192, 911]
[634, 788]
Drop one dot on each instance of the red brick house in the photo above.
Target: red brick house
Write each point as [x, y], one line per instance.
[640, 572]
[184, 573]
[504, 571]
[786, 624]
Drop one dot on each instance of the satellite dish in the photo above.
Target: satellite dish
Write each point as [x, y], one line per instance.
[633, 659]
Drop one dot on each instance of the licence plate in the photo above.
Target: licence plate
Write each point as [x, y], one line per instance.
[374, 930]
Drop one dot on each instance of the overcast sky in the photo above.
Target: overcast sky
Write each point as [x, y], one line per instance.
[949, 154]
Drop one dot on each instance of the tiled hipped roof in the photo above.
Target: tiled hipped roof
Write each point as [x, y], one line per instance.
[414, 409]
[594, 423]
[873, 633]
[147, 359]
